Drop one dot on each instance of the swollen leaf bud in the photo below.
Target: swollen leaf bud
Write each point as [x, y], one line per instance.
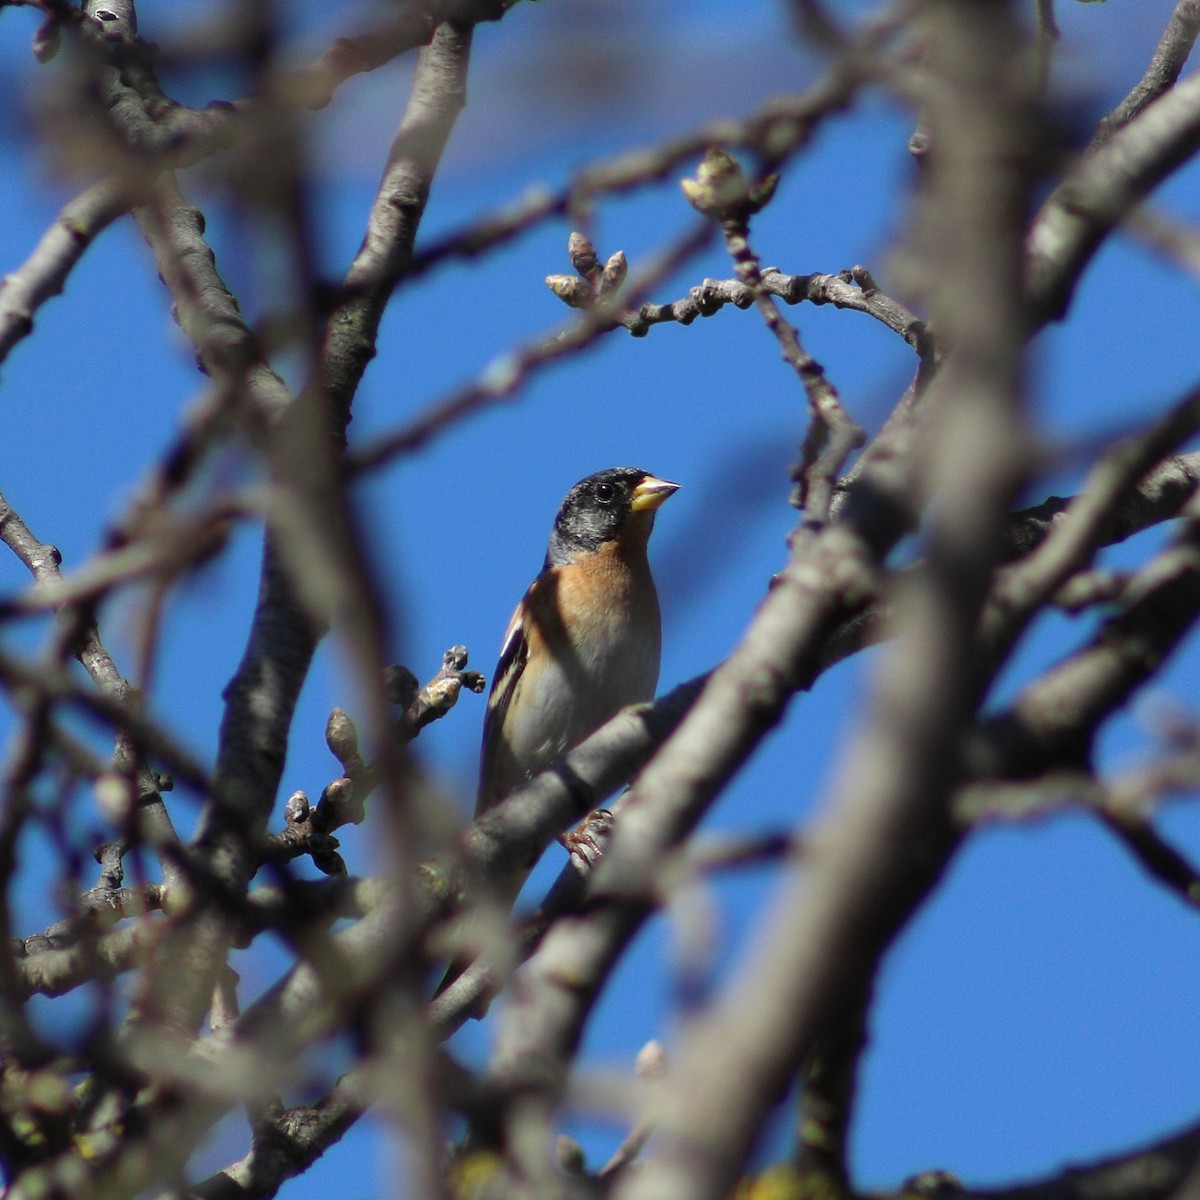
[341, 736]
[613, 274]
[582, 254]
[570, 290]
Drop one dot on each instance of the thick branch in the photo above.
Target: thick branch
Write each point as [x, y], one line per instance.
[1102, 189]
[438, 95]
[889, 836]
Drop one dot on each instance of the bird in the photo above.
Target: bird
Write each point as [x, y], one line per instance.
[584, 642]
[586, 638]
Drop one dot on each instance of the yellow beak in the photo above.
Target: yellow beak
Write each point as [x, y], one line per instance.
[651, 493]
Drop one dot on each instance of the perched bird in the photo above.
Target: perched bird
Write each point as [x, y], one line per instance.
[583, 643]
[585, 639]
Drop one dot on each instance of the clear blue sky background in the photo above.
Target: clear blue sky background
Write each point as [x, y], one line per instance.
[1042, 1009]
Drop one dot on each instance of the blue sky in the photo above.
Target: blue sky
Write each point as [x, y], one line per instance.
[1041, 1008]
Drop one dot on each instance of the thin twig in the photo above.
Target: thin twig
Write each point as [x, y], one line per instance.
[1167, 62]
[44, 273]
[785, 124]
[504, 376]
[722, 192]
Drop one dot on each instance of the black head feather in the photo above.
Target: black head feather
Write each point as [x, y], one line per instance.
[601, 507]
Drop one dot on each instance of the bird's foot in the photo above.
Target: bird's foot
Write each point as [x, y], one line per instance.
[589, 839]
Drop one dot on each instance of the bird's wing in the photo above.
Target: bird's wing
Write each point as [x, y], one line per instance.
[494, 763]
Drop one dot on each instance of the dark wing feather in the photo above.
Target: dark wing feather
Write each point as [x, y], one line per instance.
[514, 654]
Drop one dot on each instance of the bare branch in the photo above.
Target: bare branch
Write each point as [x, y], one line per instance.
[1165, 66]
[821, 947]
[1102, 189]
[506, 375]
[44, 273]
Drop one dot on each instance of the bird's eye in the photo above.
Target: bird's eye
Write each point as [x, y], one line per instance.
[605, 492]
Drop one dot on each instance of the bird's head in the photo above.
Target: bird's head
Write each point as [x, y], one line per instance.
[610, 506]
